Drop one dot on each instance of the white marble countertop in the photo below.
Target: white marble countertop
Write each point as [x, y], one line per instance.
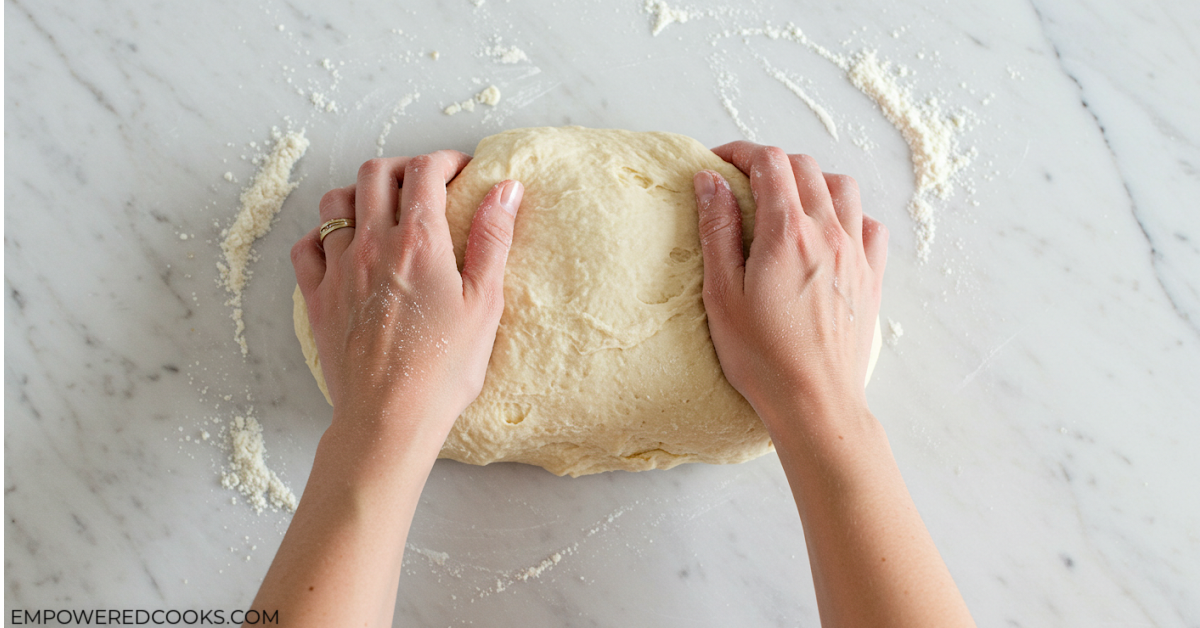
[1042, 401]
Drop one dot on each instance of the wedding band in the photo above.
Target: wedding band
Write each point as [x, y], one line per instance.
[333, 225]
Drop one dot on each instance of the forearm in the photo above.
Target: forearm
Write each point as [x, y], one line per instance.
[873, 561]
[339, 562]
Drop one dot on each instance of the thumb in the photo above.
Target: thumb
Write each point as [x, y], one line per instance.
[720, 235]
[489, 240]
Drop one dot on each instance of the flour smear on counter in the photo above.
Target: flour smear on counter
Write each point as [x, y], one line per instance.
[260, 203]
[489, 581]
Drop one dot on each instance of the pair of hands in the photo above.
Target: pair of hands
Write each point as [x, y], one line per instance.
[402, 333]
[405, 339]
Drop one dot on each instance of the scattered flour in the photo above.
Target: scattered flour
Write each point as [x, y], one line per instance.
[466, 105]
[534, 571]
[322, 102]
[931, 135]
[260, 202]
[727, 87]
[438, 558]
[503, 579]
[664, 15]
[248, 472]
[788, 33]
[895, 331]
[816, 108]
[505, 54]
[396, 113]
[498, 581]
[490, 96]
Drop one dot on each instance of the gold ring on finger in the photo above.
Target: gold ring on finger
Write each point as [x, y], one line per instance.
[329, 226]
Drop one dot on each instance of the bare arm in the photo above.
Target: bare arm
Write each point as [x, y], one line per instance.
[404, 341]
[792, 324]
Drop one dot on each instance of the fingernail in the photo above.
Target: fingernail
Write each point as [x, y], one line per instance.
[706, 188]
[510, 197]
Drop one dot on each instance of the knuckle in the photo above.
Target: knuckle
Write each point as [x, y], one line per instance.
[298, 251]
[329, 199]
[332, 200]
[744, 147]
[773, 155]
[495, 232]
[422, 162]
[874, 228]
[372, 167]
[805, 162]
[787, 228]
[414, 241]
[364, 251]
[842, 184]
[846, 180]
[447, 154]
[715, 224]
[788, 236]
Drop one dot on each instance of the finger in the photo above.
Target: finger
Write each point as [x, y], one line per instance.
[720, 235]
[846, 204]
[377, 200]
[337, 203]
[488, 243]
[423, 195]
[778, 213]
[308, 260]
[813, 191]
[875, 239]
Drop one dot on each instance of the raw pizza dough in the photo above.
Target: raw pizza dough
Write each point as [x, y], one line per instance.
[602, 359]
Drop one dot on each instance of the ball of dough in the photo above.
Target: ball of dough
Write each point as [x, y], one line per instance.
[602, 359]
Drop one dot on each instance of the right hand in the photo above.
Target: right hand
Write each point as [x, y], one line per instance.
[793, 322]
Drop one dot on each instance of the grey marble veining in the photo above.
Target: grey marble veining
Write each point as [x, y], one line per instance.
[1041, 402]
[1132, 92]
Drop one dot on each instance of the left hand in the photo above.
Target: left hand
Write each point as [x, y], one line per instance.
[399, 331]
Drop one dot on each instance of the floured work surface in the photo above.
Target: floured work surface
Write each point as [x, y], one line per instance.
[602, 359]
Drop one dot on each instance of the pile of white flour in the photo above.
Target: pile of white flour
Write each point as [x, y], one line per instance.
[931, 135]
[248, 472]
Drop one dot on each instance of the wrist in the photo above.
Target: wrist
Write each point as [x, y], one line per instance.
[394, 413]
[817, 424]
[829, 451]
[388, 434]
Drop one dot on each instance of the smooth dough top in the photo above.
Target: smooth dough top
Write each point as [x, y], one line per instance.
[602, 359]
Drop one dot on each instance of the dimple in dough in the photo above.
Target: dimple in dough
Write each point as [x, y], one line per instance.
[602, 359]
